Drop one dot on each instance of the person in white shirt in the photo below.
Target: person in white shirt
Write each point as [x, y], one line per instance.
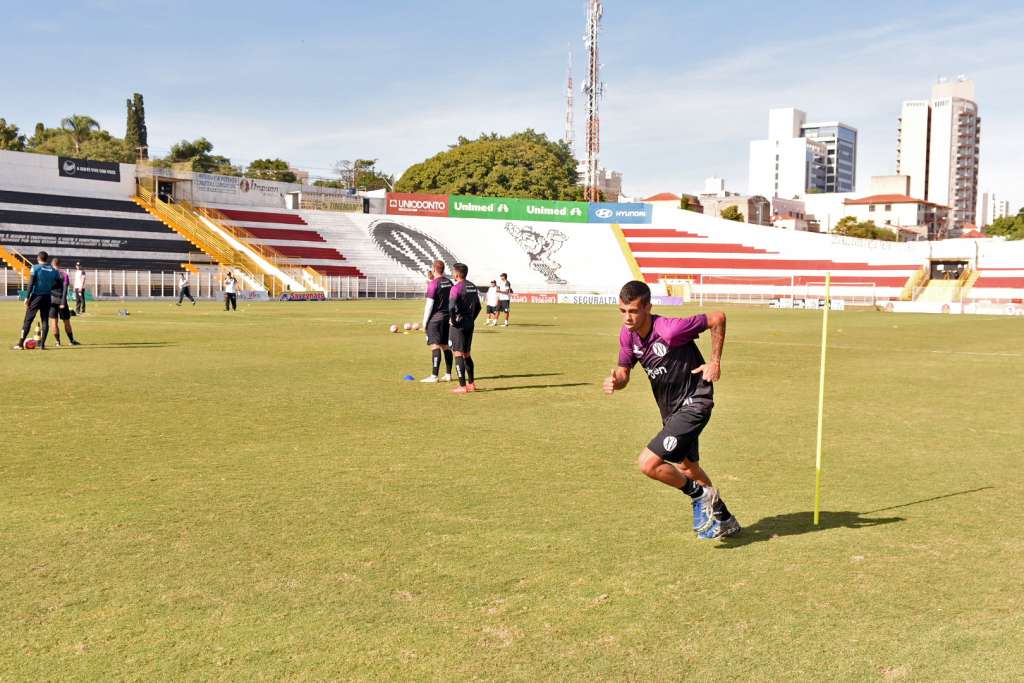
[184, 289]
[78, 284]
[504, 298]
[230, 293]
[492, 303]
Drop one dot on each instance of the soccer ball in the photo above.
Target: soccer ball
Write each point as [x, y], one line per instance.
[394, 328]
[407, 326]
[415, 326]
[30, 343]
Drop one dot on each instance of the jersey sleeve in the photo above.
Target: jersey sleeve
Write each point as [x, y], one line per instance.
[679, 331]
[626, 357]
[431, 289]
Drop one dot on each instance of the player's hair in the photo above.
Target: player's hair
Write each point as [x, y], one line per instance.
[460, 269]
[55, 261]
[439, 267]
[633, 290]
[504, 275]
[43, 256]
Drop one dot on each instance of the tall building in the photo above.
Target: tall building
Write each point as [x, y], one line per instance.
[938, 148]
[990, 207]
[799, 157]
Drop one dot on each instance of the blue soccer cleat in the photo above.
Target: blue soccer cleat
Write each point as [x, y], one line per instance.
[702, 509]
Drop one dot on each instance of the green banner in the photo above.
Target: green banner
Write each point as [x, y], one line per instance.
[463, 206]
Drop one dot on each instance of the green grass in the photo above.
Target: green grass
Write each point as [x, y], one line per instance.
[201, 496]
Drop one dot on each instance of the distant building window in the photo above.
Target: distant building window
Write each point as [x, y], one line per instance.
[888, 207]
[871, 207]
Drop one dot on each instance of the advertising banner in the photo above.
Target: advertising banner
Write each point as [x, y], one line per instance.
[303, 296]
[89, 170]
[531, 298]
[607, 212]
[588, 299]
[406, 204]
[462, 206]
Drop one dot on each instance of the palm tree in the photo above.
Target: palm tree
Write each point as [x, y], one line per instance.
[79, 127]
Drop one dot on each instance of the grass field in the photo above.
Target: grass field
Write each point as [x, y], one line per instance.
[200, 496]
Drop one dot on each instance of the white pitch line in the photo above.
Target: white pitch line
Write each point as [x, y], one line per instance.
[859, 348]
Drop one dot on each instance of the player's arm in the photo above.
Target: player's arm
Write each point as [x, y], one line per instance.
[712, 369]
[33, 280]
[64, 291]
[428, 308]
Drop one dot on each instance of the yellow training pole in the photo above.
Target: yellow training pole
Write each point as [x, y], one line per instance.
[821, 397]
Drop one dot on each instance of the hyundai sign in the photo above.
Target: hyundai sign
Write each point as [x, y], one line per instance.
[608, 212]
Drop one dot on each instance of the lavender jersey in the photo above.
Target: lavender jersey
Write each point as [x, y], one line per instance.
[438, 291]
[669, 355]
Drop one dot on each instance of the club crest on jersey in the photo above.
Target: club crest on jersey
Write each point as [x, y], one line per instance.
[659, 349]
[670, 443]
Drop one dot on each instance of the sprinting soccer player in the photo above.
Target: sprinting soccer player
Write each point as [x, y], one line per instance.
[79, 283]
[682, 386]
[435, 323]
[37, 299]
[230, 293]
[504, 298]
[185, 289]
[464, 304]
[492, 303]
[59, 304]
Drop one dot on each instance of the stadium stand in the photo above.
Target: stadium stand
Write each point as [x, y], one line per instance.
[102, 233]
[291, 237]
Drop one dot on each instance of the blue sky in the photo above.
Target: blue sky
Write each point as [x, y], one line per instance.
[688, 84]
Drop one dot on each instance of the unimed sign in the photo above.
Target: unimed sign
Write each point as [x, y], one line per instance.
[405, 204]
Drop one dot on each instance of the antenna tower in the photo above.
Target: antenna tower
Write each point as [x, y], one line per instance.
[570, 116]
[593, 88]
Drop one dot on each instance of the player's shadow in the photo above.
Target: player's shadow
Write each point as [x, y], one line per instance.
[797, 523]
[536, 374]
[540, 386]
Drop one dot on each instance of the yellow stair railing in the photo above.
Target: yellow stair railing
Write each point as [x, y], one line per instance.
[914, 283]
[184, 219]
[16, 261]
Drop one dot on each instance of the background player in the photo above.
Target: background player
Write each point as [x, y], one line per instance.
[37, 299]
[184, 288]
[464, 304]
[492, 303]
[230, 293]
[504, 298]
[682, 386]
[435, 323]
[59, 304]
[79, 282]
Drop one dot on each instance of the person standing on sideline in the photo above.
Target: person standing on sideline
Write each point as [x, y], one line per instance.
[492, 303]
[37, 299]
[435, 323]
[184, 288]
[682, 384]
[79, 283]
[504, 298]
[464, 307]
[230, 293]
[59, 304]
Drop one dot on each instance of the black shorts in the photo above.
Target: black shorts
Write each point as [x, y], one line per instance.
[58, 313]
[491, 310]
[678, 438]
[437, 332]
[462, 339]
[503, 305]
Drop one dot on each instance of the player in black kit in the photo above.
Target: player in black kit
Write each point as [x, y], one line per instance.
[682, 384]
[435, 323]
[464, 307]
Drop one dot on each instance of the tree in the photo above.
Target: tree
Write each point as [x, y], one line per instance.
[79, 128]
[1010, 227]
[10, 138]
[851, 227]
[731, 213]
[684, 203]
[136, 137]
[525, 164]
[198, 151]
[271, 169]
